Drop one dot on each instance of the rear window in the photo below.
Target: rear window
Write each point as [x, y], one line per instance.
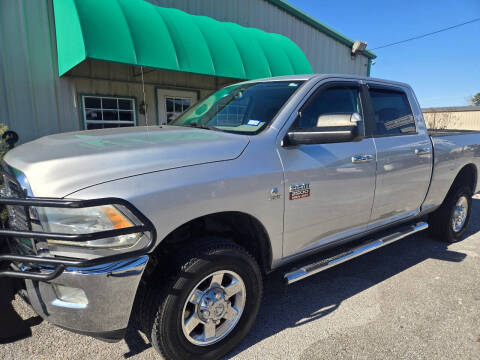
[393, 115]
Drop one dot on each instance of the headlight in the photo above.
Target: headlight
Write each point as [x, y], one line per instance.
[88, 220]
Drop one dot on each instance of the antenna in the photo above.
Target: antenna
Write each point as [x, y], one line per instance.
[144, 98]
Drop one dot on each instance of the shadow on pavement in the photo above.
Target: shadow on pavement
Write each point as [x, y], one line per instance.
[315, 297]
[135, 342]
[12, 326]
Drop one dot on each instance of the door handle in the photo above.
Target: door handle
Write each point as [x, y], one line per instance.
[422, 151]
[365, 158]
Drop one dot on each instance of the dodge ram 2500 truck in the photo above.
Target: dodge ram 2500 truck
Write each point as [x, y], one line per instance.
[180, 222]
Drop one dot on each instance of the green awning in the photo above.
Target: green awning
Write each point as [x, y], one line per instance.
[137, 32]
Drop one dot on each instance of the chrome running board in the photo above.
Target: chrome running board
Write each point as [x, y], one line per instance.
[376, 243]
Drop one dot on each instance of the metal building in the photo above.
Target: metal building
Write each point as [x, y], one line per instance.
[78, 64]
[453, 117]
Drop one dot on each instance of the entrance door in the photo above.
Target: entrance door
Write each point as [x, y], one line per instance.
[171, 103]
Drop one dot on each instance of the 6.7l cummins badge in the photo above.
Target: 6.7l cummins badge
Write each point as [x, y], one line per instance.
[299, 191]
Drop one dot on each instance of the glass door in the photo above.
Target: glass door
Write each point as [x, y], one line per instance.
[171, 103]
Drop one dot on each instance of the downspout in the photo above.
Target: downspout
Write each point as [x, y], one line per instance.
[369, 65]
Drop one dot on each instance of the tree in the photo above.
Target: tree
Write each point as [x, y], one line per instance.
[476, 99]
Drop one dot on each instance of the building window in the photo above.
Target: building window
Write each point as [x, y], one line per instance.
[174, 106]
[101, 112]
[173, 102]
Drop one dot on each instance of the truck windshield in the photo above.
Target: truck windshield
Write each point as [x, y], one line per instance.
[243, 108]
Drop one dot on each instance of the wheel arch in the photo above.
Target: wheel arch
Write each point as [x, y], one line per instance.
[242, 228]
[467, 176]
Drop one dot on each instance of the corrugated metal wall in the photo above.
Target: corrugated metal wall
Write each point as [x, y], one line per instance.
[456, 120]
[104, 78]
[34, 101]
[325, 54]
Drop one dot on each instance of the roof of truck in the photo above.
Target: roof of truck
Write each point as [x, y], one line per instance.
[306, 77]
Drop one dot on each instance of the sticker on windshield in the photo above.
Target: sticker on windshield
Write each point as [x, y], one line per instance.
[253, 122]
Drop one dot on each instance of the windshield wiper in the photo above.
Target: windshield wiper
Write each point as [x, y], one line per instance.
[200, 126]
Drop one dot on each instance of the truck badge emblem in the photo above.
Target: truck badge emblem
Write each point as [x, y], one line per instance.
[299, 191]
[274, 194]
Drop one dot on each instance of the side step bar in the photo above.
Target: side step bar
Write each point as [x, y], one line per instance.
[324, 264]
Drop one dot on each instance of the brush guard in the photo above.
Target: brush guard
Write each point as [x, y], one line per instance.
[58, 264]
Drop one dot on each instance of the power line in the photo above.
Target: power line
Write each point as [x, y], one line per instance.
[424, 35]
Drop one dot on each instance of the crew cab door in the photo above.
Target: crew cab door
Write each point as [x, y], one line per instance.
[404, 154]
[329, 187]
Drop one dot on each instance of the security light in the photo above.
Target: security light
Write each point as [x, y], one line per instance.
[358, 46]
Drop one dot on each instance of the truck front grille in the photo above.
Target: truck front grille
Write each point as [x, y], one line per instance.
[18, 217]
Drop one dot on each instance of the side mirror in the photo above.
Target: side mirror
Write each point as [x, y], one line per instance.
[331, 128]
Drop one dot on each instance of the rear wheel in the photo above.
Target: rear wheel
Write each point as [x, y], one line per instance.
[449, 223]
[208, 306]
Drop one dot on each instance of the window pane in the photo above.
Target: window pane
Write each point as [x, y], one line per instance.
[106, 113]
[169, 102]
[126, 115]
[91, 102]
[125, 104]
[178, 105]
[186, 104]
[110, 115]
[330, 107]
[109, 103]
[392, 112]
[126, 125]
[91, 114]
[107, 125]
[94, 126]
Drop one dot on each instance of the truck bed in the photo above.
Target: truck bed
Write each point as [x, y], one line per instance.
[453, 150]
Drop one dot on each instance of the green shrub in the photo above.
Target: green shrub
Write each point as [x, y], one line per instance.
[3, 144]
[3, 151]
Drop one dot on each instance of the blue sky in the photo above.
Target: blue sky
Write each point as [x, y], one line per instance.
[443, 69]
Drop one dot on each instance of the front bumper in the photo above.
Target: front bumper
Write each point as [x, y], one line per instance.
[104, 310]
[89, 296]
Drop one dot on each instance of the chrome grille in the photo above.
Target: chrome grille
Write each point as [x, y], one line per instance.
[18, 218]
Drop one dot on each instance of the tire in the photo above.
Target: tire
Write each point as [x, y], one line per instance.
[168, 306]
[441, 220]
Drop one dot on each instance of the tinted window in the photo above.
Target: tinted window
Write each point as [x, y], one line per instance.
[392, 113]
[326, 108]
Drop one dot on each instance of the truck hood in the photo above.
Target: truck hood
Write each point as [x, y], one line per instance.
[58, 165]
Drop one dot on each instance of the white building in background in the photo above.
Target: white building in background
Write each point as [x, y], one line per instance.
[455, 117]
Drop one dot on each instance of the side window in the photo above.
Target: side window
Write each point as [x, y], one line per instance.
[393, 115]
[329, 107]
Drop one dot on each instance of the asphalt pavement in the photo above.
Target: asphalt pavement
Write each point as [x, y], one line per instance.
[414, 299]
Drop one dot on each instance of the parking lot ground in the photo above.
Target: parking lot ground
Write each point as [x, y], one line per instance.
[415, 299]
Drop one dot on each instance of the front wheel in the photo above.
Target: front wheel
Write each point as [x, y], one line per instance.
[209, 305]
[450, 221]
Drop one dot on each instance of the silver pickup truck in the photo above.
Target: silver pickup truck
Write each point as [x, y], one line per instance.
[179, 223]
